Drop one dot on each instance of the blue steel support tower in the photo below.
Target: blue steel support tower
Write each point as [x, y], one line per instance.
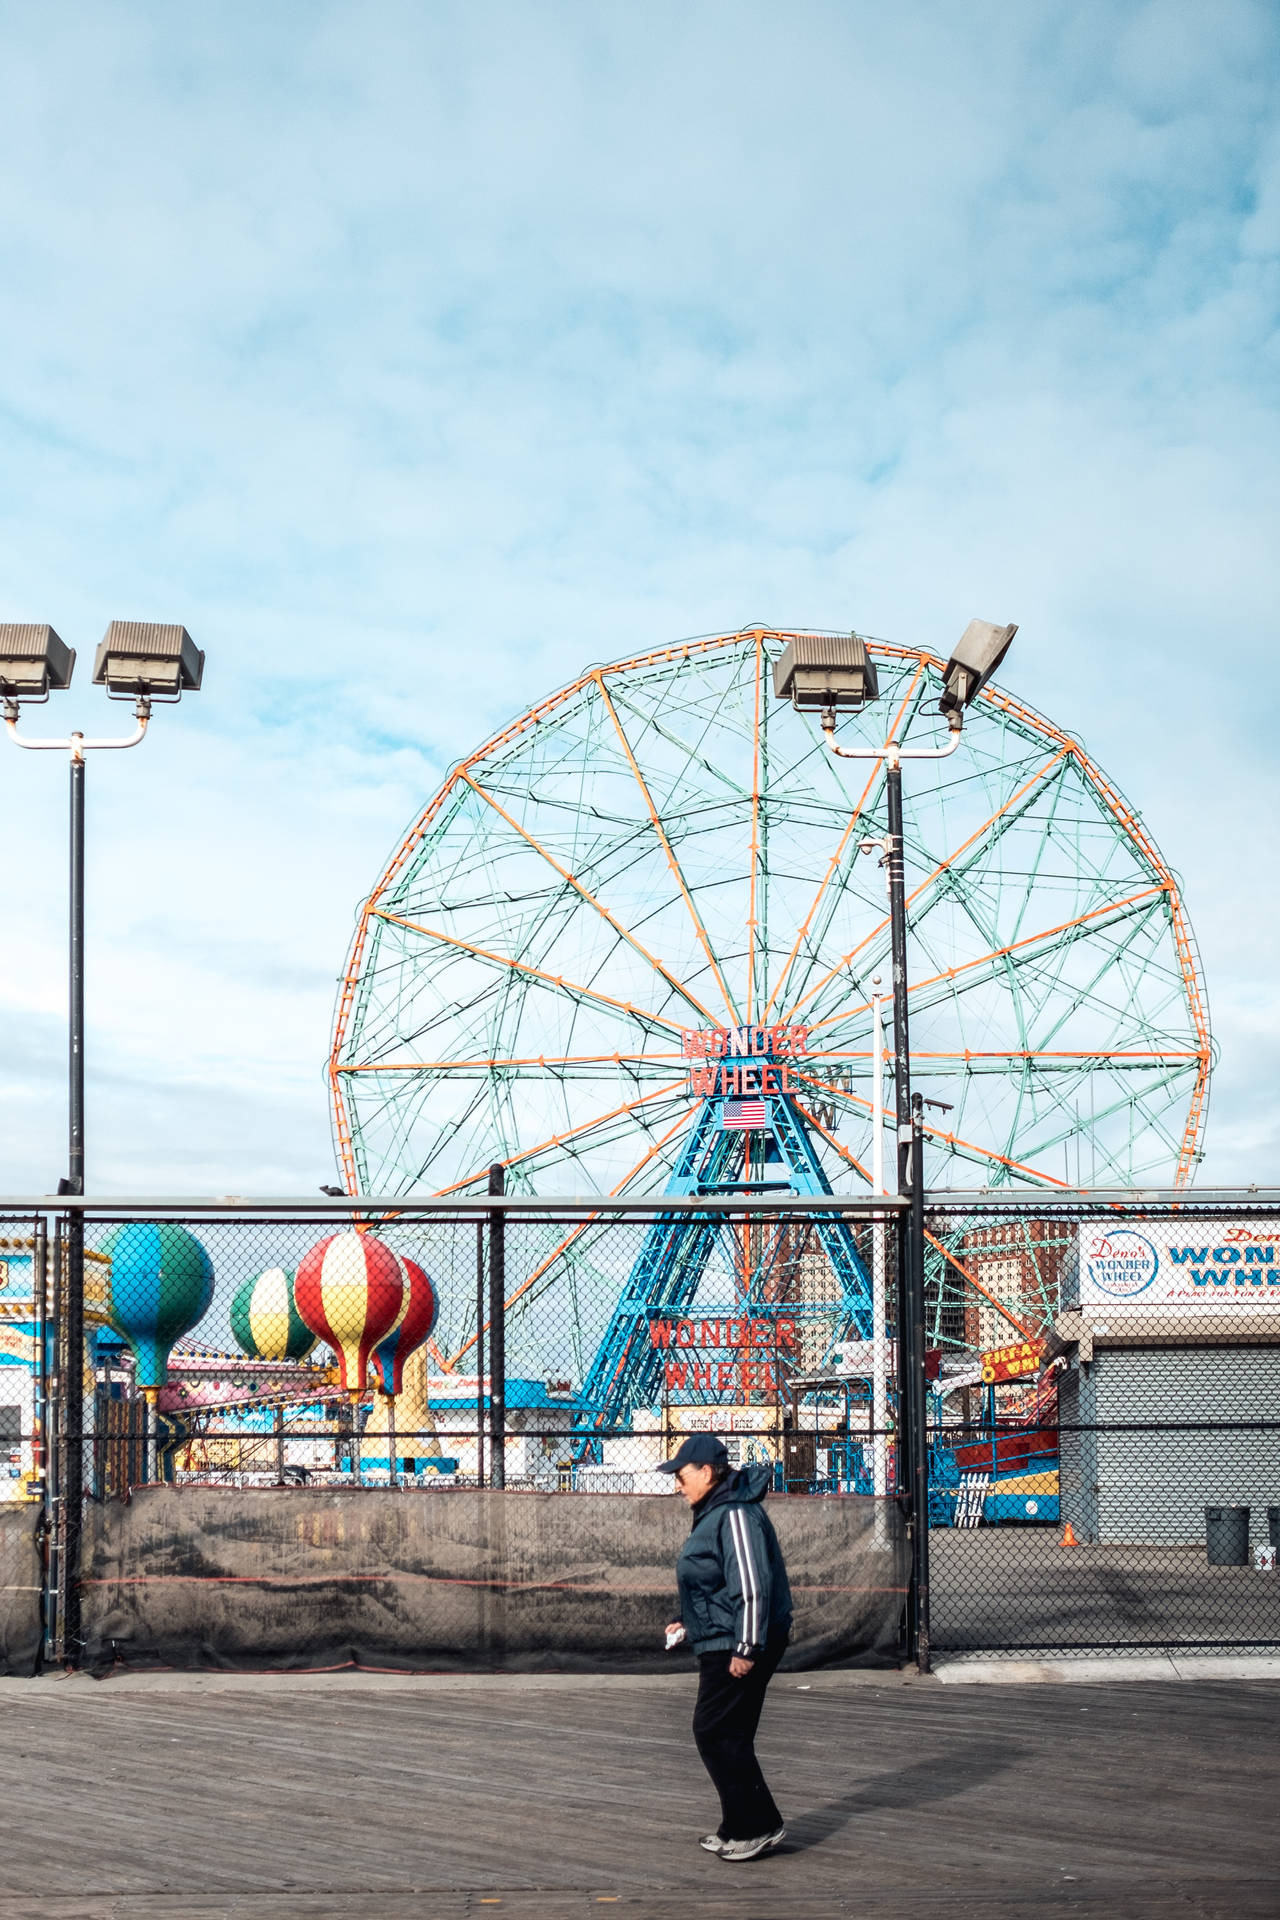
[628, 1368]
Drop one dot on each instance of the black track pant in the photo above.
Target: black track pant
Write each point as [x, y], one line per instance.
[724, 1727]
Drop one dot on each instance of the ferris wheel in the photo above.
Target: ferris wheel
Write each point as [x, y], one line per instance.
[660, 852]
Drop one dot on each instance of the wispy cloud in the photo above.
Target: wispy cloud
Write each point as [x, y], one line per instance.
[379, 342]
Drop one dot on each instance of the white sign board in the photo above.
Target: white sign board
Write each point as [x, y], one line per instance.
[857, 1357]
[1181, 1265]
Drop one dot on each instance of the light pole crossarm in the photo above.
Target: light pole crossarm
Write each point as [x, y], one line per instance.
[76, 745]
[891, 751]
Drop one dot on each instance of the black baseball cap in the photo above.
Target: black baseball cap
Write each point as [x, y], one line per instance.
[699, 1450]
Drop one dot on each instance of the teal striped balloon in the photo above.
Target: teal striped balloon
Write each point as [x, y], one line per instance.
[161, 1285]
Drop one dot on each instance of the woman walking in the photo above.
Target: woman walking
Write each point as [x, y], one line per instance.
[735, 1612]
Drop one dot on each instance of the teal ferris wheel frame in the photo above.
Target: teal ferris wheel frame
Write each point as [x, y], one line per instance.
[658, 846]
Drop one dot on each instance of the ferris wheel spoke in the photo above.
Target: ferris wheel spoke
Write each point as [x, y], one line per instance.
[553, 1063]
[668, 850]
[1021, 1329]
[978, 972]
[850, 1158]
[591, 900]
[973, 846]
[538, 973]
[966, 1149]
[876, 778]
[675, 1089]
[570, 1238]
[1120, 1059]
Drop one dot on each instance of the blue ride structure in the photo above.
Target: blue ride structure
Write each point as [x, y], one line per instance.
[747, 1137]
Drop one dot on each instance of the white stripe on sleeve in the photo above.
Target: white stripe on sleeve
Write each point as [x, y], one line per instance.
[751, 1635]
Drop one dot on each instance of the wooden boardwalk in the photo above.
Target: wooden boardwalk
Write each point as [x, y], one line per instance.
[193, 1798]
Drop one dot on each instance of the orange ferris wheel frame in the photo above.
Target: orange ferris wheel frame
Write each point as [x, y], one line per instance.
[1061, 751]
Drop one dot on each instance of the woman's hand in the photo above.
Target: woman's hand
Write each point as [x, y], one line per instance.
[740, 1668]
[675, 1626]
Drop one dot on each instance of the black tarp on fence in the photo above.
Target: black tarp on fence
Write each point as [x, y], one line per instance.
[452, 1579]
[21, 1588]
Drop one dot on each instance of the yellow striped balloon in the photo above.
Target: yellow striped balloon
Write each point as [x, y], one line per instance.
[265, 1319]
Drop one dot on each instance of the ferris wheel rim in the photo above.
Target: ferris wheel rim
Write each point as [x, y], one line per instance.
[1027, 719]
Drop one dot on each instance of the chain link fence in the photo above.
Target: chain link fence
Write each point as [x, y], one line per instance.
[294, 1436]
[1104, 1425]
[25, 1362]
[290, 1440]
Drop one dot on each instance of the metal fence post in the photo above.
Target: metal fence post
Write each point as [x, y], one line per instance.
[497, 1335]
[919, 1399]
[72, 1437]
[479, 1353]
[904, 1427]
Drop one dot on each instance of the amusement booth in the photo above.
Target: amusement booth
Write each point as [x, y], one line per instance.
[1171, 1335]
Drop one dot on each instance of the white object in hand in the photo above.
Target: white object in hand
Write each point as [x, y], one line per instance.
[674, 1636]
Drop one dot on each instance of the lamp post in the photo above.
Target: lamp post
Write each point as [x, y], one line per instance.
[879, 1371]
[144, 662]
[826, 674]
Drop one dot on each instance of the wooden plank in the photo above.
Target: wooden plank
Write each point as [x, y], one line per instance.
[542, 1800]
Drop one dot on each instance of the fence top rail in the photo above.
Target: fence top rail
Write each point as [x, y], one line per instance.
[1100, 1199]
[452, 1206]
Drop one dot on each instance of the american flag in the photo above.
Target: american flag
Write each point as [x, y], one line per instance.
[744, 1115]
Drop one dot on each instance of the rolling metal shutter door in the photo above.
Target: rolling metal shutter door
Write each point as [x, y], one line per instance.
[1153, 1486]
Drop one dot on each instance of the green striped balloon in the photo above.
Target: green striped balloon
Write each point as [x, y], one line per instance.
[265, 1321]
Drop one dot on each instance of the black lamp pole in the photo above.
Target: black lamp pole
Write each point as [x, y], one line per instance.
[72, 1360]
[912, 1450]
[136, 660]
[823, 673]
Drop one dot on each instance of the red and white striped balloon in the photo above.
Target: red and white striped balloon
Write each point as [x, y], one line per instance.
[349, 1290]
[416, 1319]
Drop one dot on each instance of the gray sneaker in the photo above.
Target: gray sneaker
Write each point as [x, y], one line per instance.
[750, 1849]
[713, 1843]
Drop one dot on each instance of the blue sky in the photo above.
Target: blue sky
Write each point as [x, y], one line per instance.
[417, 355]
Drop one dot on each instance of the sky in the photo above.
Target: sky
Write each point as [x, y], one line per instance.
[417, 355]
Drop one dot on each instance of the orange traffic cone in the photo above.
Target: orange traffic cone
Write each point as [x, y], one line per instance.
[1068, 1538]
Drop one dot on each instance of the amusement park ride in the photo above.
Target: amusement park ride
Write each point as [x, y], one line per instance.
[628, 948]
[631, 947]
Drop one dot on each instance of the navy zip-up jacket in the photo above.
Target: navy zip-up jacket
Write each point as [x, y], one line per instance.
[733, 1582]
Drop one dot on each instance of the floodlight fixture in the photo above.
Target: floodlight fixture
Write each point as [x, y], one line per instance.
[33, 662]
[974, 658]
[820, 672]
[140, 660]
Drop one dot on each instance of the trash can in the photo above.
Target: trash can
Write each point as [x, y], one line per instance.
[1273, 1526]
[1226, 1536]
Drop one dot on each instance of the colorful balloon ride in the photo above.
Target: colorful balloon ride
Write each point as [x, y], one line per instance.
[265, 1318]
[161, 1286]
[348, 1291]
[413, 1325]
